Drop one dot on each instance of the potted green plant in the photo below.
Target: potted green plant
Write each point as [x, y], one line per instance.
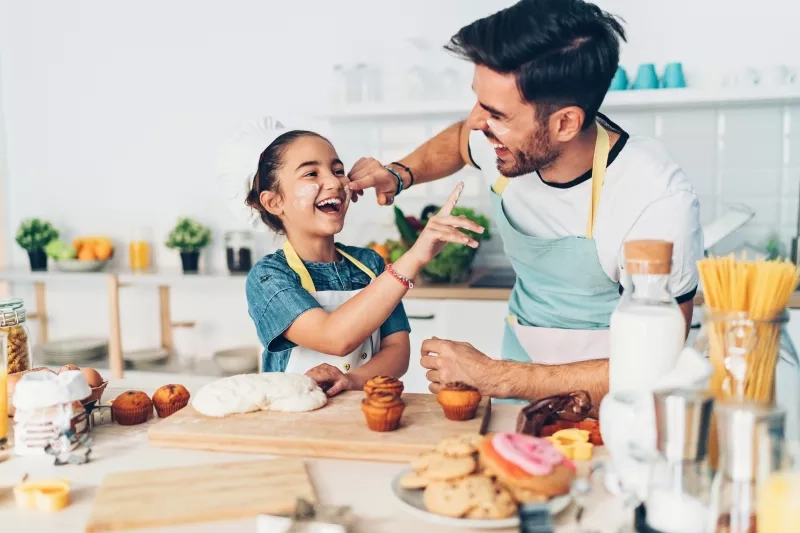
[34, 235]
[189, 237]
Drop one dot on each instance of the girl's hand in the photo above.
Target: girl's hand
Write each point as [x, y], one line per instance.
[330, 379]
[443, 228]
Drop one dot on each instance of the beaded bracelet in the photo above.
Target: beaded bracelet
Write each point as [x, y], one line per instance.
[399, 180]
[409, 284]
[410, 174]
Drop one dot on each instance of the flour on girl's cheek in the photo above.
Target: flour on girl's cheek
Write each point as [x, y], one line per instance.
[305, 194]
[498, 129]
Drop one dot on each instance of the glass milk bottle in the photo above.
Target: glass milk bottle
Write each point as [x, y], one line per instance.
[647, 329]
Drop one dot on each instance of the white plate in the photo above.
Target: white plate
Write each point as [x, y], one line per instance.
[68, 347]
[411, 501]
[74, 265]
[146, 357]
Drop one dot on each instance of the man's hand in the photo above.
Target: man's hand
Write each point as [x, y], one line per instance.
[330, 378]
[369, 172]
[451, 361]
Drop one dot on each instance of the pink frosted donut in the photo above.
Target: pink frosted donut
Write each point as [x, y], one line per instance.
[536, 456]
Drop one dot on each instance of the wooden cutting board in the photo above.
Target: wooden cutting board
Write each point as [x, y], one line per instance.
[337, 430]
[189, 495]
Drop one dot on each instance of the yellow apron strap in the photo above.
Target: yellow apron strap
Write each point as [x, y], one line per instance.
[296, 264]
[601, 148]
[357, 263]
[500, 185]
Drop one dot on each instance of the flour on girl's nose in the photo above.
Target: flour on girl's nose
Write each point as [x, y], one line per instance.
[497, 128]
[306, 193]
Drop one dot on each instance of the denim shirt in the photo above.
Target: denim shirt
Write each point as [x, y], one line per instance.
[275, 298]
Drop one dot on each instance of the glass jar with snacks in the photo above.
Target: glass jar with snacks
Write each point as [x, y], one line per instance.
[744, 336]
[15, 330]
[239, 251]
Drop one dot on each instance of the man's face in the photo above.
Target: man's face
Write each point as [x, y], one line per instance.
[521, 142]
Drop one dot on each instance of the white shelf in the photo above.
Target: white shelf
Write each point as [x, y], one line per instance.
[615, 100]
[24, 275]
[166, 277]
[174, 278]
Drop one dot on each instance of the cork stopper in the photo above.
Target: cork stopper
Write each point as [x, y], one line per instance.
[648, 257]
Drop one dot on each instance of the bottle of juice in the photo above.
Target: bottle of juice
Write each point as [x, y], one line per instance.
[778, 496]
[3, 391]
[139, 251]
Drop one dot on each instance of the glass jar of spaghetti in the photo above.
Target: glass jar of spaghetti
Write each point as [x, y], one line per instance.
[15, 330]
[752, 359]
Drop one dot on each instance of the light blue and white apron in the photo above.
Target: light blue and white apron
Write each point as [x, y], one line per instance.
[561, 304]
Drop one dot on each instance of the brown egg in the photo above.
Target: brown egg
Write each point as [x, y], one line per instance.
[68, 367]
[93, 377]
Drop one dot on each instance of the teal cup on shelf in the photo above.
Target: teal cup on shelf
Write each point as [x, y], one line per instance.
[673, 77]
[646, 77]
[620, 80]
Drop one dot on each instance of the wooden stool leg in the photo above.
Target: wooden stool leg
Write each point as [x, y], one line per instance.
[166, 319]
[41, 310]
[114, 330]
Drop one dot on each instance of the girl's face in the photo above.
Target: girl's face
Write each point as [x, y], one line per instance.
[312, 182]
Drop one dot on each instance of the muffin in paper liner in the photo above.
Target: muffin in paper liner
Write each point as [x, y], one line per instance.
[383, 411]
[459, 401]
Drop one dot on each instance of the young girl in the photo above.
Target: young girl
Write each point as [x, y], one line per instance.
[331, 311]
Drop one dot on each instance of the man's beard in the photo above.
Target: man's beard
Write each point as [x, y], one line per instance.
[538, 154]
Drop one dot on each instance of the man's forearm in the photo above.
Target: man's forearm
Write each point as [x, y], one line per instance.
[439, 157]
[529, 381]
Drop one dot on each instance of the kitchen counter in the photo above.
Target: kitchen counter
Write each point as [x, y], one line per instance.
[362, 485]
[464, 291]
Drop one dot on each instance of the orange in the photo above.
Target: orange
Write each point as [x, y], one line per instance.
[102, 250]
[382, 251]
[86, 254]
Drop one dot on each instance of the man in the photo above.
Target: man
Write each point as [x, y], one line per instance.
[570, 187]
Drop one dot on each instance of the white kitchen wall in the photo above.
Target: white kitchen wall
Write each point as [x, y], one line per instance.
[112, 113]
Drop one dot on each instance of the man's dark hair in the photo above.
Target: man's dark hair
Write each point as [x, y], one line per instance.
[562, 52]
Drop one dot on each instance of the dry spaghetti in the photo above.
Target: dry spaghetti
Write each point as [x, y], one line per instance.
[746, 301]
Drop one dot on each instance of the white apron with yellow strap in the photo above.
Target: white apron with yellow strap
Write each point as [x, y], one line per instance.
[303, 359]
[561, 304]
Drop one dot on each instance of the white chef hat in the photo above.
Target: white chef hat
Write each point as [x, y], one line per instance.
[238, 162]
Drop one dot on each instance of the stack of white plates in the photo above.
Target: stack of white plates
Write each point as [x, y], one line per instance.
[73, 351]
[147, 359]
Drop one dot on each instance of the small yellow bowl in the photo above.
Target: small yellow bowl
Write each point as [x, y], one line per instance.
[48, 495]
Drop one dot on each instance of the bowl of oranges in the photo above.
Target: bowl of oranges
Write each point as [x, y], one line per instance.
[85, 254]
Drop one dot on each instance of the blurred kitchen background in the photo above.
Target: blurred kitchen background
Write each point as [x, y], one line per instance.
[111, 115]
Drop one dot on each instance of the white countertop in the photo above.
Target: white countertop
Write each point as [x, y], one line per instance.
[364, 486]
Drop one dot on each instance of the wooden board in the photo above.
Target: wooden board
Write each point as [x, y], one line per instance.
[337, 430]
[189, 495]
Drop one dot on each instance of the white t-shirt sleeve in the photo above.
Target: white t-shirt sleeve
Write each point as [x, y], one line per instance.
[674, 218]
